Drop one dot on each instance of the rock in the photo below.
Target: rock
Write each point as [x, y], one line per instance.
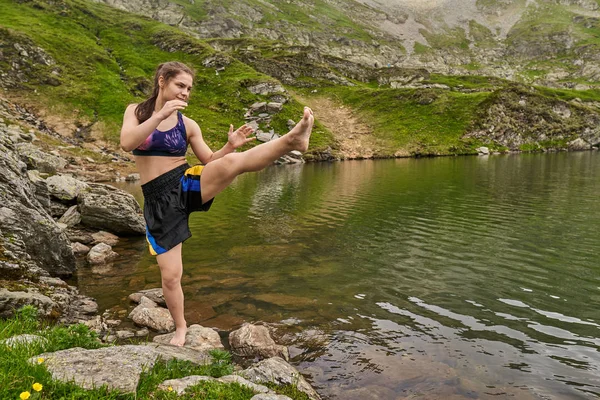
[11, 301]
[197, 338]
[121, 335]
[255, 341]
[244, 382]
[156, 295]
[47, 280]
[274, 107]
[117, 367]
[142, 332]
[179, 385]
[101, 254]
[71, 217]
[257, 107]
[105, 237]
[132, 177]
[266, 88]
[111, 209]
[10, 270]
[483, 150]
[34, 158]
[148, 314]
[23, 339]
[278, 371]
[269, 396]
[65, 188]
[79, 248]
[579, 144]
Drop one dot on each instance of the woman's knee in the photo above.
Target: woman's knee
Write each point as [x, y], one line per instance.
[171, 281]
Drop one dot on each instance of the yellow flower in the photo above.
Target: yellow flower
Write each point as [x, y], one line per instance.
[37, 387]
[40, 360]
[170, 388]
[24, 395]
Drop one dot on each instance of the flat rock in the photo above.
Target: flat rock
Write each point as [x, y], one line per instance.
[179, 385]
[197, 338]
[23, 339]
[148, 314]
[255, 341]
[117, 367]
[156, 295]
[278, 371]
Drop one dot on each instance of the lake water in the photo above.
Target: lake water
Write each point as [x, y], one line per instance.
[454, 278]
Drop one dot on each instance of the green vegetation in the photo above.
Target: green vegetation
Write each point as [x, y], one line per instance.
[18, 375]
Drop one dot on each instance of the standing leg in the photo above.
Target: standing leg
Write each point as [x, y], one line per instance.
[171, 270]
[218, 174]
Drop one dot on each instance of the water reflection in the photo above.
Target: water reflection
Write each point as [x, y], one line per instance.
[459, 278]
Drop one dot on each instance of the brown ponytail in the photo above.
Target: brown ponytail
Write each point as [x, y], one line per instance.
[167, 70]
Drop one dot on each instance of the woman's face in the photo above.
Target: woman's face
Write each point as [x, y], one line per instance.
[178, 87]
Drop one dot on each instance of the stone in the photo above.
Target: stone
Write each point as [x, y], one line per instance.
[117, 367]
[111, 209]
[142, 332]
[266, 88]
[244, 382]
[71, 217]
[274, 107]
[121, 335]
[277, 371]
[148, 314]
[483, 150]
[101, 254]
[23, 339]
[132, 177]
[11, 301]
[179, 385]
[34, 158]
[79, 248]
[270, 396]
[105, 237]
[197, 338]
[65, 188]
[579, 144]
[156, 295]
[255, 341]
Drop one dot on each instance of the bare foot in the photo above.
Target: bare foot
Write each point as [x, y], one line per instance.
[179, 338]
[300, 134]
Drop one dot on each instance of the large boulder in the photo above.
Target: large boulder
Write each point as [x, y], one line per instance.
[27, 233]
[111, 209]
[11, 301]
[276, 370]
[255, 341]
[117, 367]
[34, 158]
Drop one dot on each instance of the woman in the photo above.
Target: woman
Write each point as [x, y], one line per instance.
[158, 134]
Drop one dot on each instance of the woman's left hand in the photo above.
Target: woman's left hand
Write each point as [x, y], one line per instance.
[239, 137]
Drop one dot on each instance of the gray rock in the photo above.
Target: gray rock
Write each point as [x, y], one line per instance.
[105, 237]
[179, 385]
[255, 341]
[197, 338]
[79, 248]
[124, 334]
[156, 295]
[118, 367]
[266, 88]
[66, 188]
[269, 396]
[34, 158]
[244, 382]
[111, 209]
[274, 107]
[23, 339]
[11, 301]
[148, 314]
[101, 254]
[71, 217]
[483, 150]
[579, 144]
[132, 177]
[278, 371]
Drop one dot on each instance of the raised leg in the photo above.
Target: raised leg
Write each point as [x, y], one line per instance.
[171, 270]
[218, 174]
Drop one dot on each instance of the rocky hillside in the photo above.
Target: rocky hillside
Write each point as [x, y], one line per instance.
[548, 42]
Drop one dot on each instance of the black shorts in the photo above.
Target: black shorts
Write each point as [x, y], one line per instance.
[168, 201]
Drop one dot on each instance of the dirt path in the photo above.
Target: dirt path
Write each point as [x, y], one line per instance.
[354, 138]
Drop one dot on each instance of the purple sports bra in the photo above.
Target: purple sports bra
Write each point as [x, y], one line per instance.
[171, 143]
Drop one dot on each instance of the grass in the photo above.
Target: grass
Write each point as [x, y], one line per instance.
[17, 375]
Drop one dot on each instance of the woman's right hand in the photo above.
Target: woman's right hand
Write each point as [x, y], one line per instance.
[170, 107]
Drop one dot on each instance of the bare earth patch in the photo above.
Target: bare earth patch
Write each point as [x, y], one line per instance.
[354, 138]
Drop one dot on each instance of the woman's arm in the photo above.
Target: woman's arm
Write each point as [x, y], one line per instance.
[133, 133]
[204, 153]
